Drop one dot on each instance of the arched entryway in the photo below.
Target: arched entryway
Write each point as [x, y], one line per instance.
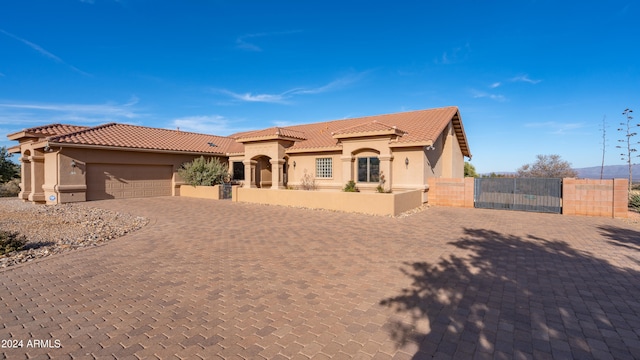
[262, 172]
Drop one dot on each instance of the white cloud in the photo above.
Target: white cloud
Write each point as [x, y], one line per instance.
[242, 42]
[456, 55]
[45, 113]
[554, 127]
[43, 52]
[249, 97]
[283, 98]
[495, 85]
[524, 78]
[482, 94]
[207, 124]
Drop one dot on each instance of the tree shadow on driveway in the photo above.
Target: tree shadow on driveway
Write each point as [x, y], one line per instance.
[617, 236]
[509, 297]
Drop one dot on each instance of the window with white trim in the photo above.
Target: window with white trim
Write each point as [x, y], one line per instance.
[324, 167]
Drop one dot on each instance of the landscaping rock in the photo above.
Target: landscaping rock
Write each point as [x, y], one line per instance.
[56, 229]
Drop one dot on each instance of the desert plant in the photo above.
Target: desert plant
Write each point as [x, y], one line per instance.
[634, 200]
[10, 188]
[11, 241]
[308, 181]
[380, 188]
[629, 149]
[351, 187]
[203, 172]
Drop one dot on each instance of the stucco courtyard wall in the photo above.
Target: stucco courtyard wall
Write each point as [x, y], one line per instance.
[202, 192]
[365, 203]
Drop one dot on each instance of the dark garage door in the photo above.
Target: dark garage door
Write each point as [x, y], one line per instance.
[114, 181]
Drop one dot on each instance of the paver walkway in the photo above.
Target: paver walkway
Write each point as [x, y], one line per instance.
[215, 279]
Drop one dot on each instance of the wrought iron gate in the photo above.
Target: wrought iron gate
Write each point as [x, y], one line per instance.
[225, 191]
[525, 194]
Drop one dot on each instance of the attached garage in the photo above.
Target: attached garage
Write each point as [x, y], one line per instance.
[119, 181]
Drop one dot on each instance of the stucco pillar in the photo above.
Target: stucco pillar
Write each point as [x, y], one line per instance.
[37, 178]
[347, 168]
[385, 169]
[277, 174]
[249, 173]
[25, 178]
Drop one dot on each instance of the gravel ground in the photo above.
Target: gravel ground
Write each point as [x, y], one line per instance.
[55, 229]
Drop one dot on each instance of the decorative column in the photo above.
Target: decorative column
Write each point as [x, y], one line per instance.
[37, 178]
[249, 173]
[25, 177]
[277, 174]
[385, 169]
[347, 168]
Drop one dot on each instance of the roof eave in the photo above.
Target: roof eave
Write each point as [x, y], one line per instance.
[462, 136]
[122, 148]
[314, 149]
[267, 138]
[369, 134]
[411, 144]
[19, 135]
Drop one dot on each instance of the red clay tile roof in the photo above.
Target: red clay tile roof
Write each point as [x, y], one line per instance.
[272, 132]
[417, 128]
[140, 137]
[372, 127]
[420, 127]
[47, 130]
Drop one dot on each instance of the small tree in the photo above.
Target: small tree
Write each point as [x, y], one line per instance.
[629, 147]
[203, 172]
[469, 170]
[547, 166]
[8, 170]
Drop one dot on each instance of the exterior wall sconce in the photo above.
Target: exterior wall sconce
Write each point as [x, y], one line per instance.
[73, 167]
[294, 164]
[406, 162]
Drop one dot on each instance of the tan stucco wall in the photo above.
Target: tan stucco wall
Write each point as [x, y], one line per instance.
[411, 176]
[365, 203]
[457, 159]
[306, 162]
[201, 192]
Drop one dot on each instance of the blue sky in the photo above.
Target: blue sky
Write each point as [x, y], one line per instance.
[529, 77]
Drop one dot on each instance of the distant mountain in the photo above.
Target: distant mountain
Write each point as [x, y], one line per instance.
[610, 172]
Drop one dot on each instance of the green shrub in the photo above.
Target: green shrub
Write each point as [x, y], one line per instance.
[11, 241]
[351, 187]
[634, 200]
[203, 172]
[10, 188]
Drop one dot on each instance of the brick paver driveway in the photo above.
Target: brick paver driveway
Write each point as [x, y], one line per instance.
[215, 279]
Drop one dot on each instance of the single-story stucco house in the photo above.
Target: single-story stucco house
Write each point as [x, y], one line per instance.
[69, 163]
